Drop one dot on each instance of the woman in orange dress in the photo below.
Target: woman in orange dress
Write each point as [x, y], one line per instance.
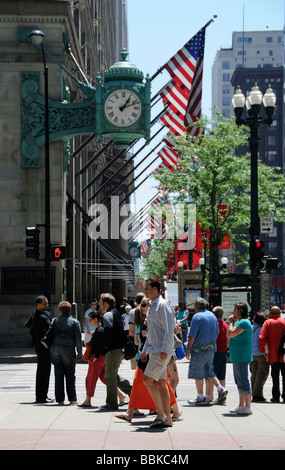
[141, 399]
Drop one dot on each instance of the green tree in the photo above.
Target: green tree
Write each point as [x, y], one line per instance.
[211, 173]
[156, 264]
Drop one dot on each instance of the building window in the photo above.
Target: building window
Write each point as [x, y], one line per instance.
[241, 53]
[226, 101]
[226, 89]
[271, 156]
[226, 65]
[226, 77]
[272, 247]
[247, 40]
[271, 140]
[269, 39]
[274, 234]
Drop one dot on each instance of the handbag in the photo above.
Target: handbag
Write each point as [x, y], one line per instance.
[48, 338]
[130, 349]
[179, 352]
[87, 354]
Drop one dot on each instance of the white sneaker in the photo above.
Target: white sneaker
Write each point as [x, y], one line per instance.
[199, 402]
[245, 411]
[236, 409]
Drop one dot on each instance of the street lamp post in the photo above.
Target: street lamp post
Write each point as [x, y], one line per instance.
[37, 37]
[180, 265]
[254, 121]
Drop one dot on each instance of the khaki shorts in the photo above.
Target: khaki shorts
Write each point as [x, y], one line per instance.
[156, 368]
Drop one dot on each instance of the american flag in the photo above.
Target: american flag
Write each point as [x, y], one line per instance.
[176, 96]
[174, 122]
[169, 155]
[146, 248]
[157, 221]
[183, 93]
[165, 166]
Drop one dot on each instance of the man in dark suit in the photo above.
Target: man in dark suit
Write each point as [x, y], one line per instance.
[41, 323]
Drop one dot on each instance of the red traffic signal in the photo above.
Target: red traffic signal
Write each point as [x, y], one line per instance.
[57, 252]
[257, 254]
[259, 244]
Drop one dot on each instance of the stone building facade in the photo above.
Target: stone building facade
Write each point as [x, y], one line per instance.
[82, 38]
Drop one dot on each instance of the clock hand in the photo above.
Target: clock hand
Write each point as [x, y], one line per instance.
[121, 108]
[131, 104]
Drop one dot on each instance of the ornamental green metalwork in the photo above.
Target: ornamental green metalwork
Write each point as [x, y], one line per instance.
[118, 108]
[65, 119]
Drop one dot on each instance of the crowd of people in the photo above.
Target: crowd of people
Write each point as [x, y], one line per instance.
[157, 329]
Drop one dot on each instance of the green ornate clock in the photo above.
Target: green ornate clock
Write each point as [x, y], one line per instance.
[123, 103]
[134, 250]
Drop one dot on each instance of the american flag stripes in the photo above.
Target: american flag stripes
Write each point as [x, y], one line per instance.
[146, 248]
[169, 155]
[176, 97]
[164, 165]
[159, 216]
[174, 122]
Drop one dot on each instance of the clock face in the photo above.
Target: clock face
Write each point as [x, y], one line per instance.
[134, 252]
[123, 108]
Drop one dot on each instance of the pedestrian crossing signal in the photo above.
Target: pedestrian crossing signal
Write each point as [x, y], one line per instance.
[57, 252]
[258, 254]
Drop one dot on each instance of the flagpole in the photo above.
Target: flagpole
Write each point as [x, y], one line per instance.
[160, 70]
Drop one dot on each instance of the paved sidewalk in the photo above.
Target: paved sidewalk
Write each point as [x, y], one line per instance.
[17, 355]
[25, 425]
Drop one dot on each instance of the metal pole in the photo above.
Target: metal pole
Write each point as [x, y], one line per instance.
[254, 218]
[47, 183]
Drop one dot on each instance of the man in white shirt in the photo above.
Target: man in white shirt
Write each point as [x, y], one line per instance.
[159, 346]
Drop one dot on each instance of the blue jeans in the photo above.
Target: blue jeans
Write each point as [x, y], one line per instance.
[240, 370]
[64, 361]
[201, 365]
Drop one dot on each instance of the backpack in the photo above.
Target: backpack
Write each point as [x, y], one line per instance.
[130, 349]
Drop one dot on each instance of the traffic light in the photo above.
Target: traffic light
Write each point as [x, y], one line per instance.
[257, 254]
[57, 252]
[33, 242]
